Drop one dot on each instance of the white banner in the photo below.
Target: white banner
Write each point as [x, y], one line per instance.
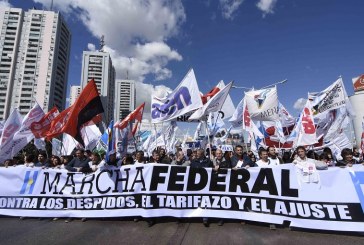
[263, 104]
[270, 195]
[185, 98]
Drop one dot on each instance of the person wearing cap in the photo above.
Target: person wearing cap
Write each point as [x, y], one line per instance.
[113, 161]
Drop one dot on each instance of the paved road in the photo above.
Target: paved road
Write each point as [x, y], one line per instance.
[166, 231]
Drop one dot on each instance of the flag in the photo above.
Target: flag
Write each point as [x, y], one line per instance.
[248, 124]
[214, 104]
[91, 135]
[197, 132]
[263, 104]
[57, 148]
[206, 97]
[136, 115]
[40, 128]
[87, 106]
[214, 123]
[332, 97]
[228, 107]
[237, 118]
[40, 144]
[69, 144]
[285, 117]
[185, 98]
[307, 130]
[110, 140]
[58, 124]
[358, 83]
[25, 135]
[11, 126]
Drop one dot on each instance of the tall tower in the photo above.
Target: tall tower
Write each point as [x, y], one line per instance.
[97, 65]
[74, 93]
[10, 25]
[39, 67]
[125, 99]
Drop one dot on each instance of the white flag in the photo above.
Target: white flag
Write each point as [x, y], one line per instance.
[333, 97]
[228, 107]
[285, 117]
[263, 104]
[91, 135]
[12, 125]
[40, 143]
[214, 104]
[57, 147]
[307, 133]
[185, 98]
[69, 144]
[25, 135]
[237, 119]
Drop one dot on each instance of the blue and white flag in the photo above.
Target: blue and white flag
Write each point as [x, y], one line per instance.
[185, 98]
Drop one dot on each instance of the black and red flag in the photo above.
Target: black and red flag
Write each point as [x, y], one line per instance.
[87, 106]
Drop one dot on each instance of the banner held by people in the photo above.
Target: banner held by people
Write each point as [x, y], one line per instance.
[271, 194]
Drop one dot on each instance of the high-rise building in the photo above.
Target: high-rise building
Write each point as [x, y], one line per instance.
[124, 98]
[74, 93]
[97, 65]
[34, 51]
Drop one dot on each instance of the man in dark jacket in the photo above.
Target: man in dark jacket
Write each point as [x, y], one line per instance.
[201, 161]
[240, 160]
[79, 163]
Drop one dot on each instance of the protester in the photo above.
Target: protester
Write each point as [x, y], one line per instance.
[240, 160]
[42, 160]
[163, 157]
[202, 161]
[155, 157]
[29, 160]
[348, 160]
[79, 163]
[273, 157]
[95, 162]
[139, 158]
[264, 160]
[219, 163]
[181, 159]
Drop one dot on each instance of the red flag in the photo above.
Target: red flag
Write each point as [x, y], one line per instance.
[136, 115]
[87, 106]
[40, 128]
[58, 123]
[209, 95]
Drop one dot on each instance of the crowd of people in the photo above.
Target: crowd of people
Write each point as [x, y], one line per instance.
[87, 161]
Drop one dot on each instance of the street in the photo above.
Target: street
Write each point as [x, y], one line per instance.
[165, 231]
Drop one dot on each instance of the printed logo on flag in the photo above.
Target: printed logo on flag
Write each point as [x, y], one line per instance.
[358, 181]
[29, 182]
[260, 98]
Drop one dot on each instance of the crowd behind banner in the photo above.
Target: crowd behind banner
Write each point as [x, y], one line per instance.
[307, 162]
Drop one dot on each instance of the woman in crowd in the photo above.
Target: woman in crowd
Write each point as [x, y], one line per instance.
[29, 160]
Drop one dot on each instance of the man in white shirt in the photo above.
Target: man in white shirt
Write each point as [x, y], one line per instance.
[272, 156]
[264, 160]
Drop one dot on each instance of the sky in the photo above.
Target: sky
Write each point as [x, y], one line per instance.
[255, 43]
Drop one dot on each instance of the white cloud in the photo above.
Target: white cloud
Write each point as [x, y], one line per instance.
[299, 104]
[266, 6]
[91, 47]
[135, 32]
[5, 4]
[229, 7]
